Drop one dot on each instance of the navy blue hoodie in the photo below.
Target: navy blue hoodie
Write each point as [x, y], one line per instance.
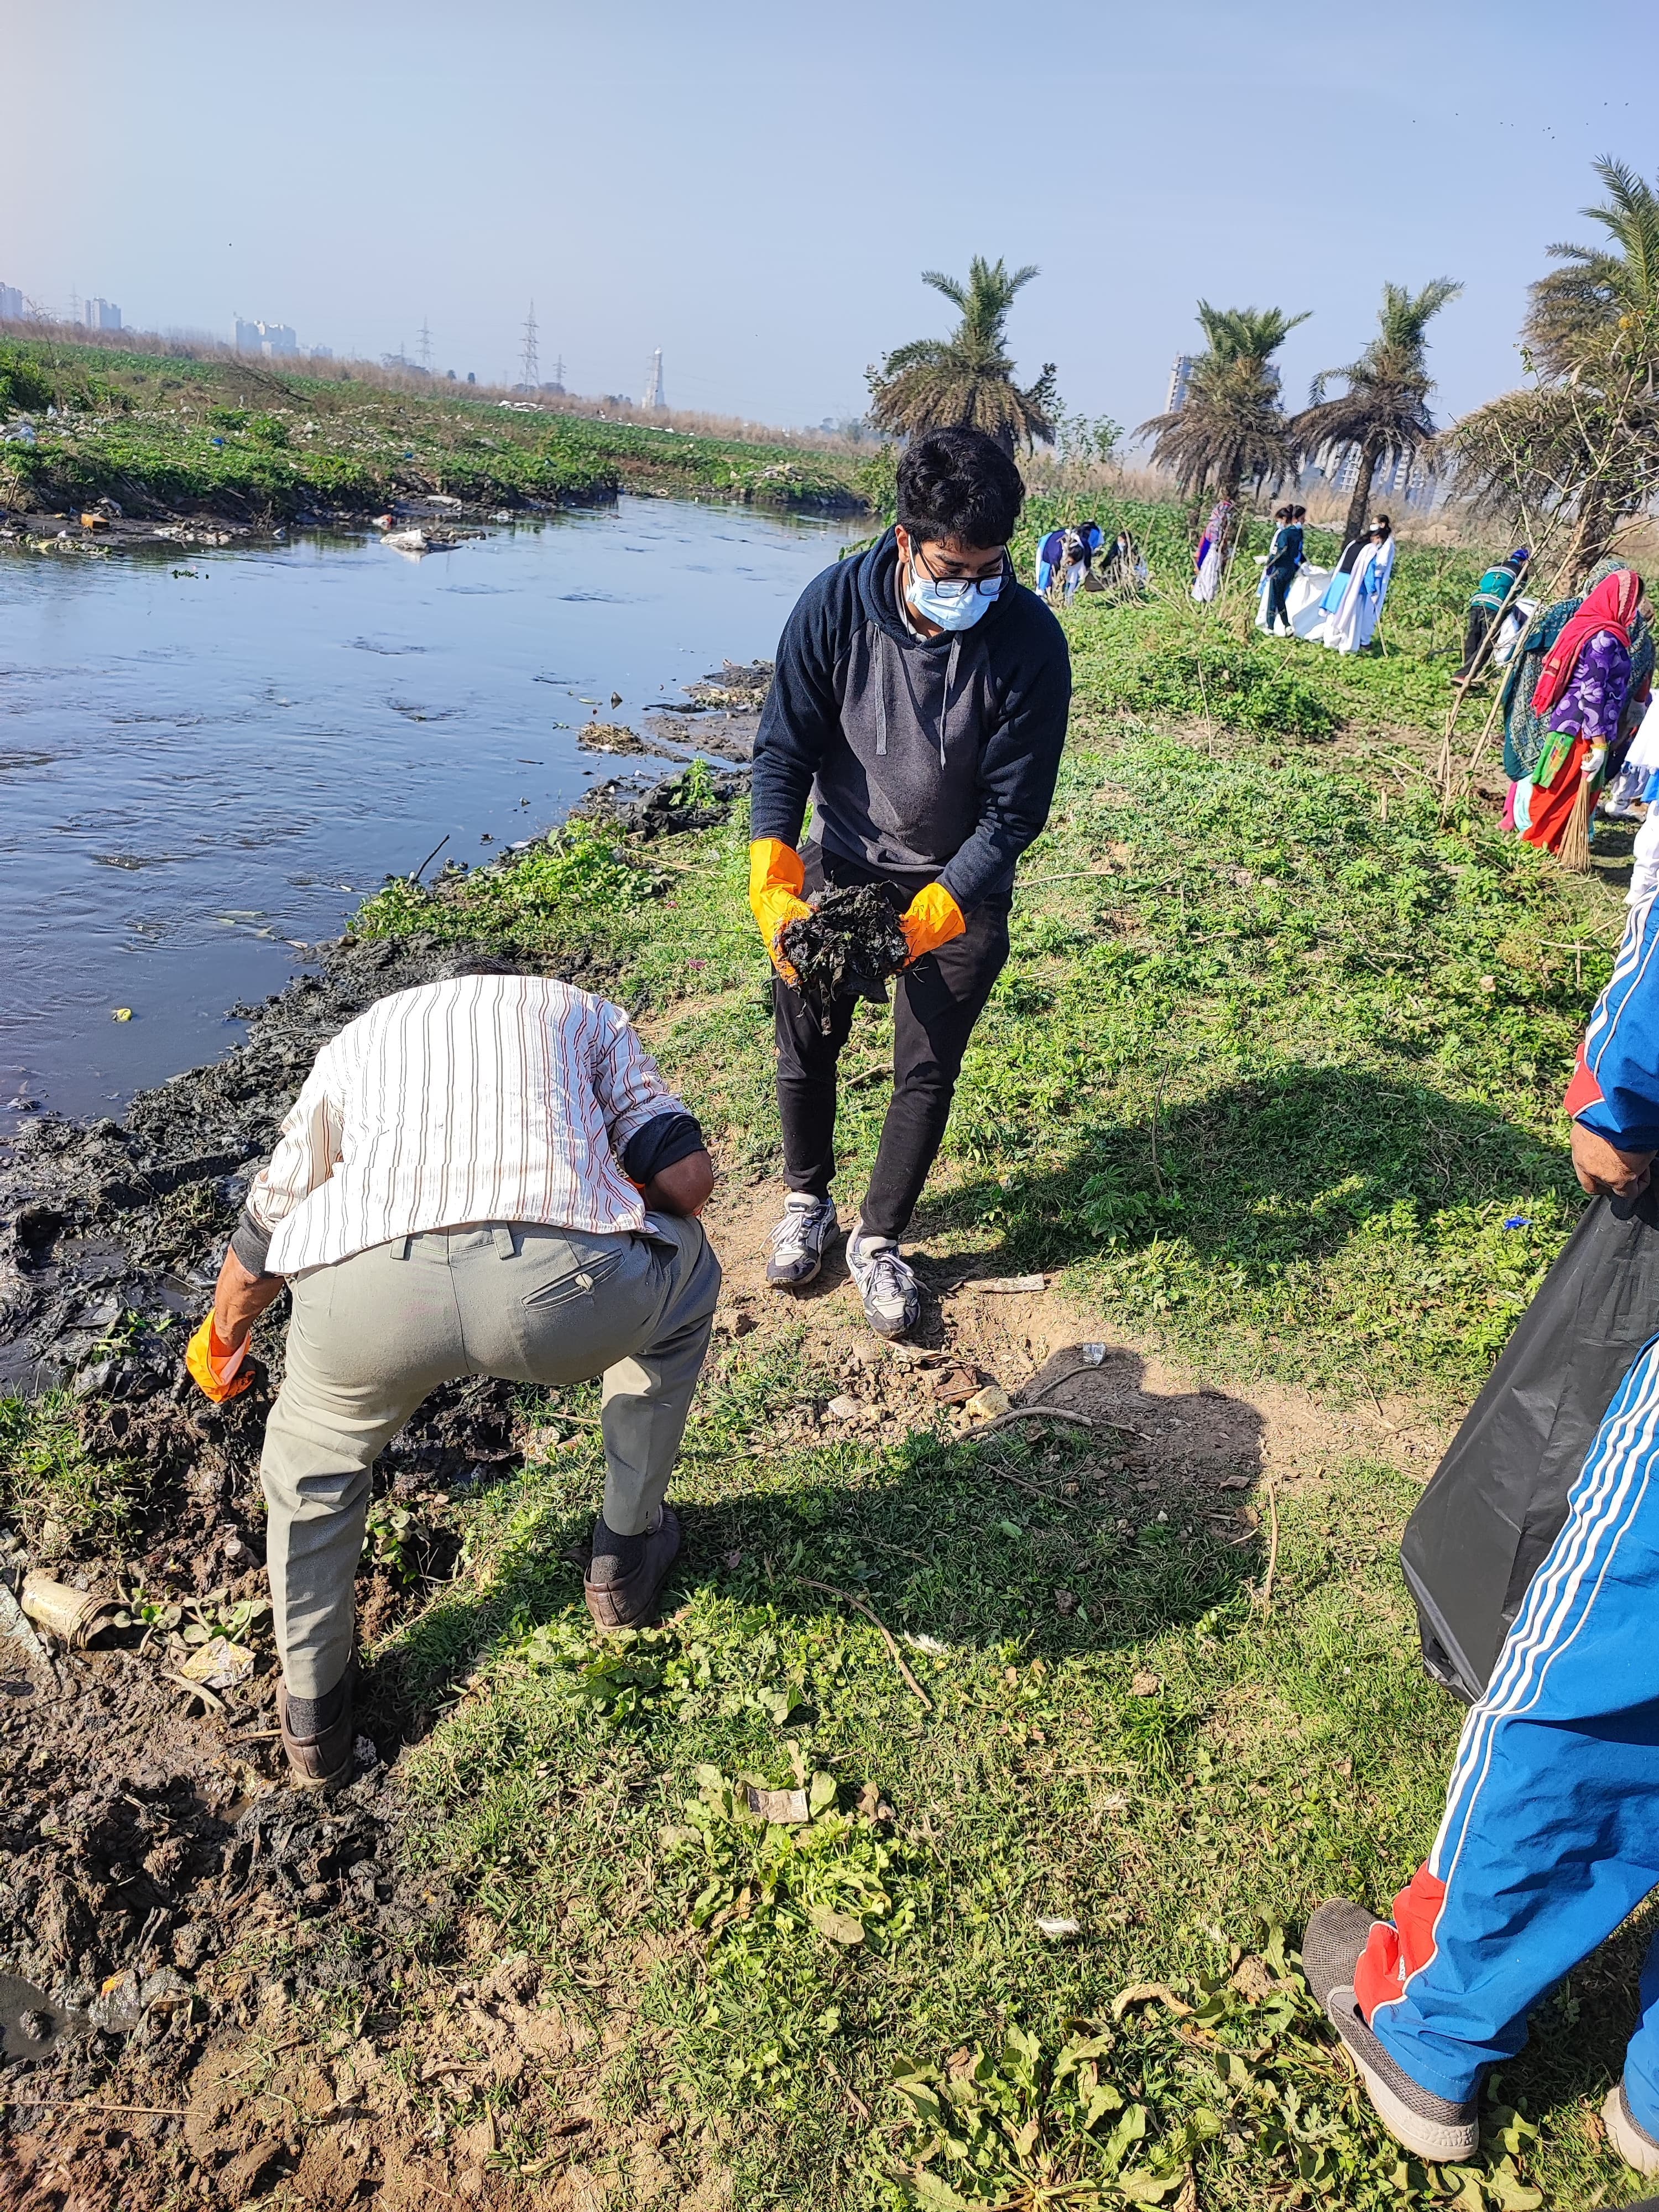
[926, 755]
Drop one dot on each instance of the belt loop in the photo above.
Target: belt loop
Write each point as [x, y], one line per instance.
[504, 1245]
[400, 1247]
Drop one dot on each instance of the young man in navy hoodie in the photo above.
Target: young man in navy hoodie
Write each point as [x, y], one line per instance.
[920, 704]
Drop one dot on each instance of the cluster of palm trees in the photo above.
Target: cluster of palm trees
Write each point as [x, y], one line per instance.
[1577, 445]
[1232, 429]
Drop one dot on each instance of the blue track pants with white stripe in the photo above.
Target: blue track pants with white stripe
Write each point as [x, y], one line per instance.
[1551, 1834]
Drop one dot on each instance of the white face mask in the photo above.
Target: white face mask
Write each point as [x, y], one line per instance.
[955, 602]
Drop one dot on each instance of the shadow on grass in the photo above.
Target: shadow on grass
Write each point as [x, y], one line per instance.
[1258, 1176]
[1025, 1542]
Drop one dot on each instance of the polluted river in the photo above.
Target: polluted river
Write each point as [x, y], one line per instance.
[208, 758]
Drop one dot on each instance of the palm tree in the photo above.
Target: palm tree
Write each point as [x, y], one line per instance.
[1602, 291]
[1384, 413]
[966, 381]
[1582, 438]
[1232, 426]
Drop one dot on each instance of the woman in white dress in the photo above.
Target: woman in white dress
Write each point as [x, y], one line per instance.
[1354, 601]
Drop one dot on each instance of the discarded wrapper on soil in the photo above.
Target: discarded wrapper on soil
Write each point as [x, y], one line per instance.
[72, 1615]
[847, 947]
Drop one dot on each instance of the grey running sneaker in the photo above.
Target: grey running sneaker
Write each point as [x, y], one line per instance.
[798, 1240]
[1430, 2127]
[892, 1301]
[1626, 2134]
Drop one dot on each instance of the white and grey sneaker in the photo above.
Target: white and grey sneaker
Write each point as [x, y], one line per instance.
[1626, 2134]
[892, 1297]
[799, 1239]
[1431, 2127]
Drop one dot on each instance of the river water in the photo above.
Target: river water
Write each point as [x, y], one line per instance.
[204, 759]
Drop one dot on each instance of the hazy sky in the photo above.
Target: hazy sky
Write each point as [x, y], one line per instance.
[756, 188]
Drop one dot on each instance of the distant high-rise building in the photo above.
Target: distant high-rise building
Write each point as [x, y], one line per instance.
[655, 401]
[1181, 376]
[269, 338]
[100, 315]
[11, 304]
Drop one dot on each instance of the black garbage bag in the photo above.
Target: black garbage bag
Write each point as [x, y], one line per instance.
[850, 944]
[1498, 1498]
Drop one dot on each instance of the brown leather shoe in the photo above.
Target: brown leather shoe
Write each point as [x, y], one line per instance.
[630, 1600]
[322, 1761]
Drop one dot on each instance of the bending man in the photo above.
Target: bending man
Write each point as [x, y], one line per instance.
[920, 702]
[485, 1175]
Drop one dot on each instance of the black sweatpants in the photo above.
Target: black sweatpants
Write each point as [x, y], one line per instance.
[1277, 592]
[1474, 635]
[937, 1000]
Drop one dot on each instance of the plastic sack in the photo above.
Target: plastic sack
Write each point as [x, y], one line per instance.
[1498, 1498]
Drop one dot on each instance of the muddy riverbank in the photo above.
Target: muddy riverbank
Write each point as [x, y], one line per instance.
[163, 1889]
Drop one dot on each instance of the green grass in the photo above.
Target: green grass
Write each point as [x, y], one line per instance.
[50, 1489]
[1179, 1771]
[1274, 1076]
[149, 431]
[1165, 656]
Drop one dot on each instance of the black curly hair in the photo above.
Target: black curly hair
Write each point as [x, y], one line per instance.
[959, 487]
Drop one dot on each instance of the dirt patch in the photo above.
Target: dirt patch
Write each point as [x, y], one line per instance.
[1174, 1431]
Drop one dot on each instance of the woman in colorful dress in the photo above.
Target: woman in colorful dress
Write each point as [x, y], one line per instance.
[1579, 698]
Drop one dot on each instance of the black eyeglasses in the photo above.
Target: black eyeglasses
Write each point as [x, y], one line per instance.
[986, 587]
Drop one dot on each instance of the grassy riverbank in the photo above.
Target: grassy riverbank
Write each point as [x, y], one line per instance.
[1085, 1722]
[251, 440]
[1270, 1086]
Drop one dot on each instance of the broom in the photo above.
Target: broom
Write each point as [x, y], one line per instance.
[1574, 853]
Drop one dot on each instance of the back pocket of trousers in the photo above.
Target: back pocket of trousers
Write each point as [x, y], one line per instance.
[565, 1290]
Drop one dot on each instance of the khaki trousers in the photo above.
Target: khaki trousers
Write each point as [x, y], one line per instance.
[371, 1335]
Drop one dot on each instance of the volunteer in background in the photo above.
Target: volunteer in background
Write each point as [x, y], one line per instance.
[1546, 1844]
[485, 1175]
[919, 703]
[1284, 559]
[1492, 595]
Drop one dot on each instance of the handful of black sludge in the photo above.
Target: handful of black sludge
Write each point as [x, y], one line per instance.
[847, 947]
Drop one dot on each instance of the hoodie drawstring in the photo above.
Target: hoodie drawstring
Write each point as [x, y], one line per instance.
[950, 685]
[883, 649]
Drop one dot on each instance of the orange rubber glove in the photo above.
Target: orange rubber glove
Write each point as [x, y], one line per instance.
[932, 919]
[775, 877]
[215, 1367]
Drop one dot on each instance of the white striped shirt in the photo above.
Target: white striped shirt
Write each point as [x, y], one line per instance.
[489, 1098]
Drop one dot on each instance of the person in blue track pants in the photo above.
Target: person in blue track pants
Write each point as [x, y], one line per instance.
[1551, 1833]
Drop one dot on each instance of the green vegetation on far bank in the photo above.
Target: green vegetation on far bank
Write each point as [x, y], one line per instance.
[251, 440]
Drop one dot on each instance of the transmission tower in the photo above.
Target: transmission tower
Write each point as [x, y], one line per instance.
[655, 403]
[558, 373]
[426, 346]
[530, 360]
